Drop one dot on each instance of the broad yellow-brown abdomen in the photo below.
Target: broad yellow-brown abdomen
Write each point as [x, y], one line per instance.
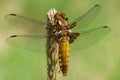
[64, 56]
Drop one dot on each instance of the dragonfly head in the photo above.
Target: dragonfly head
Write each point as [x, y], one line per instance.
[57, 19]
[60, 19]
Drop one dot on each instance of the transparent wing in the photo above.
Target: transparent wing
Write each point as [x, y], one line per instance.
[35, 43]
[84, 20]
[89, 37]
[27, 24]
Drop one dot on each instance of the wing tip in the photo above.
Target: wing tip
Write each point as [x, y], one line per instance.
[11, 37]
[6, 16]
[97, 5]
[105, 27]
[12, 14]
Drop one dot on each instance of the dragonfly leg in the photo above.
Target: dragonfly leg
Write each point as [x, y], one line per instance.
[72, 25]
[55, 37]
[73, 36]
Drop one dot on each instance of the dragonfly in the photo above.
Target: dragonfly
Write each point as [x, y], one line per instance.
[83, 38]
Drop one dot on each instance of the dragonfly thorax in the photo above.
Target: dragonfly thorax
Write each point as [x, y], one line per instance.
[57, 22]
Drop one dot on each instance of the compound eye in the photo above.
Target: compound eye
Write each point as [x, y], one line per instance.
[60, 23]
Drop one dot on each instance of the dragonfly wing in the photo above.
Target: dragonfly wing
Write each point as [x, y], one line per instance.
[84, 20]
[35, 43]
[27, 24]
[89, 37]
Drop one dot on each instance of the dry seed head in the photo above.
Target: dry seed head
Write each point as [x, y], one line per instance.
[51, 13]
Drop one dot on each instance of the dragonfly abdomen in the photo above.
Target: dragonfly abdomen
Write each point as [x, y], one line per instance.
[64, 56]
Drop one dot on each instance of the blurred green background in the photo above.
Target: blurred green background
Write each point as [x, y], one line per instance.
[99, 62]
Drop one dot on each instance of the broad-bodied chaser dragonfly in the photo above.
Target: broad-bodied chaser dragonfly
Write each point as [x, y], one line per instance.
[61, 32]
